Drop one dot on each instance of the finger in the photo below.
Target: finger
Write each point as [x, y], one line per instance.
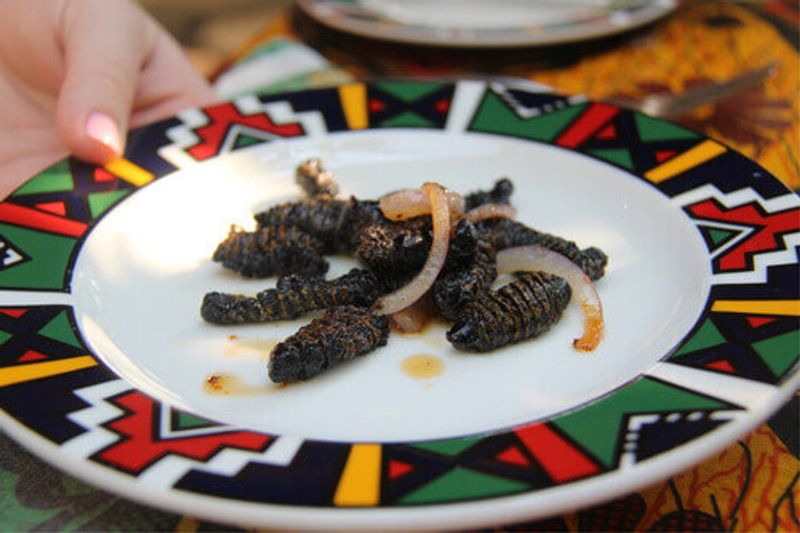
[106, 43]
[168, 84]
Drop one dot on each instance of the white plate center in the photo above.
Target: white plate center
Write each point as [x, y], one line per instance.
[143, 271]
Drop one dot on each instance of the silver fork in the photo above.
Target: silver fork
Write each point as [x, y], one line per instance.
[675, 105]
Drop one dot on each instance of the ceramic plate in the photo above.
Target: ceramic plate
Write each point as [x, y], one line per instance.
[485, 23]
[105, 359]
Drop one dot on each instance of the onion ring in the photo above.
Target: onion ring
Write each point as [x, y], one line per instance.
[482, 212]
[423, 281]
[410, 203]
[535, 257]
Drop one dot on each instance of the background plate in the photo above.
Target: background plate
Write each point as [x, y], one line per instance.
[482, 23]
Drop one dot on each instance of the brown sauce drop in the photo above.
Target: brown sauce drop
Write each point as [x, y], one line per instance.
[422, 366]
[221, 384]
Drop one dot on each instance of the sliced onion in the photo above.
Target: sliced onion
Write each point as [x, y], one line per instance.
[417, 287]
[535, 257]
[482, 212]
[410, 203]
[415, 317]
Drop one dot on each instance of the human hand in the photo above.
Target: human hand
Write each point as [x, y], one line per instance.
[76, 74]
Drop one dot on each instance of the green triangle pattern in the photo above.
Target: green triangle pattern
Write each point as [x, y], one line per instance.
[183, 421]
[56, 178]
[707, 336]
[597, 427]
[779, 353]
[60, 329]
[449, 447]
[409, 91]
[620, 156]
[463, 484]
[494, 116]
[244, 140]
[99, 202]
[407, 119]
[4, 336]
[49, 256]
[654, 129]
[716, 237]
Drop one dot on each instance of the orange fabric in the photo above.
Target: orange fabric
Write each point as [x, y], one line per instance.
[748, 485]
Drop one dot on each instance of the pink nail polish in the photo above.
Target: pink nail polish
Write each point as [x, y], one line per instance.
[104, 130]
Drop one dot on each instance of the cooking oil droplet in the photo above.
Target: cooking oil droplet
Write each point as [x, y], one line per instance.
[248, 346]
[222, 384]
[422, 366]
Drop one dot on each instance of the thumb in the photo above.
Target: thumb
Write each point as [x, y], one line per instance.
[106, 42]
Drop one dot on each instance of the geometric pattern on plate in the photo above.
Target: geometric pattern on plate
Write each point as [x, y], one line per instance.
[591, 441]
[752, 328]
[43, 361]
[207, 133]
[39, 342]
[11, 255]
[744, 216]
[745, 335]
[248, 120]
[415, 105]
[745, 233]
[142, 442]
[670, 157]
[47, 217]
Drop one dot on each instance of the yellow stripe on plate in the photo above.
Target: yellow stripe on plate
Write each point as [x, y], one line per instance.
[758, 307]
[22, 373]
[361, 478]
[701, 153]
[353, 97]
[130, 172]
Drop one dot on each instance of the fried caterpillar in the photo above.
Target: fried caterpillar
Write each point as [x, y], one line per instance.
[393, 251]
[341, 334]
[293, 297]
[271, 250]
[507, 233]
[470, 269]
[499, 194]
[334, 222]
[339, 224]
[524, 308]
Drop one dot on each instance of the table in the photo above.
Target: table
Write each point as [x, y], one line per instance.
[753, 484]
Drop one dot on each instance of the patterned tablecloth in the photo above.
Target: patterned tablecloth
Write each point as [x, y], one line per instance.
[750, 486]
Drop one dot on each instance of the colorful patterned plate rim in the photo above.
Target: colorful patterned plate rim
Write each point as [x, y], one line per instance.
[482, 23]
[103, 354]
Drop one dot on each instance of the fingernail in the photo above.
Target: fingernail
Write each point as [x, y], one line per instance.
[104, 130]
